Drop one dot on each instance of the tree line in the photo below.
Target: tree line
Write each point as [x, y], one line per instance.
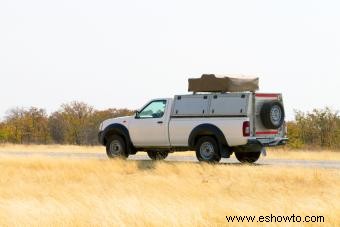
[78, 123]
[74, 123]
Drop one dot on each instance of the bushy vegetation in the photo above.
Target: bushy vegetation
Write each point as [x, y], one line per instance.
[74, 123]
[77, 123]
[317, 129]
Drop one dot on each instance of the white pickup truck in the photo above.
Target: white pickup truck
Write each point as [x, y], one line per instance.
[215, 125]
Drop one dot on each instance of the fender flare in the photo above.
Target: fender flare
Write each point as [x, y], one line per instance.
[207, 130]
[117, 129]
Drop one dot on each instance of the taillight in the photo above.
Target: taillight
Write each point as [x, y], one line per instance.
[246, 128]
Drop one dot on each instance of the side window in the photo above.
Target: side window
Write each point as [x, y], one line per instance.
[154, 110]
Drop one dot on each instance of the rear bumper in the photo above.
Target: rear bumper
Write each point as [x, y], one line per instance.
[257, 144]
[269, 142]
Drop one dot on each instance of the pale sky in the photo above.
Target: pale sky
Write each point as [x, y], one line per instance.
[123, 53]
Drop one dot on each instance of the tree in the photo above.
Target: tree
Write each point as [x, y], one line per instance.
[294, 135]
[3, 133]
[57, 127]
[76, 116]
[78, 123]
[27, 126]
[319, 128]
[15, 125]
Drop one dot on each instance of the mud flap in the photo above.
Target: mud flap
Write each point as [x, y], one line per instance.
[263, 152]
[225, 152]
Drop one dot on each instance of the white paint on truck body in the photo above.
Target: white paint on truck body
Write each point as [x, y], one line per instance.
[180, 129]
[151, 132]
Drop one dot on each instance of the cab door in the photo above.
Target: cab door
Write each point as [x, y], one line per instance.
[149, 128]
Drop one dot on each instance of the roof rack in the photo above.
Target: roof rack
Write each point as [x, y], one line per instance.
[211, 83]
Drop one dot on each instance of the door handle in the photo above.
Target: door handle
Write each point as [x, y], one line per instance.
[159, 122]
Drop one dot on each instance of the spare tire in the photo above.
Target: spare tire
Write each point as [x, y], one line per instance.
[272, 115]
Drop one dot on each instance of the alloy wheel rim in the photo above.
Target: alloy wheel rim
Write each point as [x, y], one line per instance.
[275, 115]
[116, 148]
[207, 150]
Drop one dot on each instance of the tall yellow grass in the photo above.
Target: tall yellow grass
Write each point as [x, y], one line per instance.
[60, 192]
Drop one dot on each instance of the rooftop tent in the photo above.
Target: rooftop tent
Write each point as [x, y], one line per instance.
[211, 83]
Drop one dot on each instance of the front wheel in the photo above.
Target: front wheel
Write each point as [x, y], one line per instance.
[116, 147]
[158, 155]
[207, 150]
[247, 157]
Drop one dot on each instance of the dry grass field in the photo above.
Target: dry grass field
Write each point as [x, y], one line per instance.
[303, 154]
[42, 191]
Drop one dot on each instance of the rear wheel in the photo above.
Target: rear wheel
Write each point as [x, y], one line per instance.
[116, 147]
[247, 157]
[158, 155]
[207, 150]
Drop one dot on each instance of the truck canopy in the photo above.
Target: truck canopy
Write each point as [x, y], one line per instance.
[211, 105]
[211, 83]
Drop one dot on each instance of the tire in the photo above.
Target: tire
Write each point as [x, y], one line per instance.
[207, 150]
[158, 155]
[247, 157]
[272, 115]
[116, 147]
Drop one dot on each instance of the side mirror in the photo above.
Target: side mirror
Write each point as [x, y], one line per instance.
[136, 114]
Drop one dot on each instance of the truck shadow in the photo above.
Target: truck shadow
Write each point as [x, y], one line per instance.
[145, 164]
[150, 164]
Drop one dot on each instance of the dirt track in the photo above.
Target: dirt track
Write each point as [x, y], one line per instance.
[172, 158]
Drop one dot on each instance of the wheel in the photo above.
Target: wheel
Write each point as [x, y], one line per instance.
[158, 155]
[116, 147]
[247, 157]
[272, 115]
[207, 150]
